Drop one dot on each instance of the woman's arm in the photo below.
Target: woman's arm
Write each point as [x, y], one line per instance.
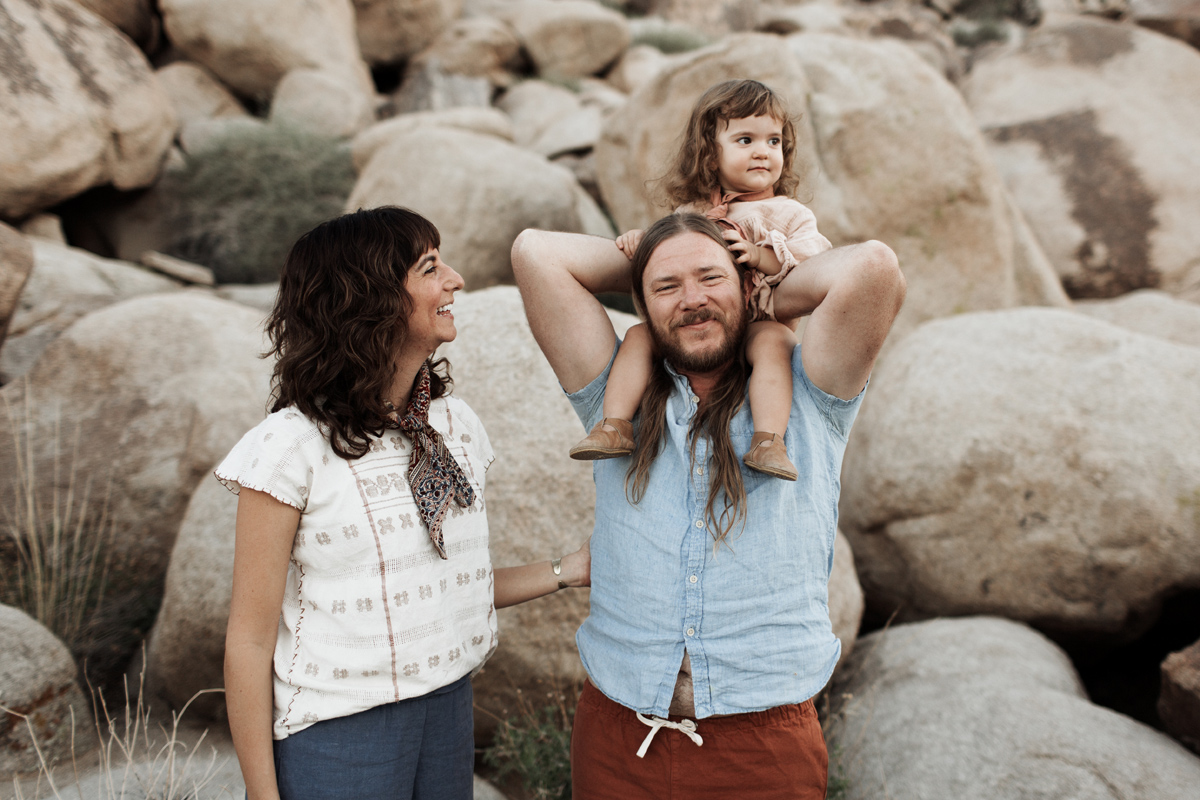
[518, 584]
[265, 531]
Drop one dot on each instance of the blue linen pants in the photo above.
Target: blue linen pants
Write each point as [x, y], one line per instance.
[417, 749]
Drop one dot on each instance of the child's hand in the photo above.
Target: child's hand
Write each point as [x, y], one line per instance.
[744, 252]
[628, 241]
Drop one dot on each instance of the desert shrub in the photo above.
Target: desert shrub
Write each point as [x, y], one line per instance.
[974, 34]
[536, 746]
[243, 200]
[1027, 12]
[672, 38]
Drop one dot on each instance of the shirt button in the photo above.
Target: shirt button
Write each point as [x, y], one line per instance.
[691, 631]
[699, 523]
[695, 399]
[692, 579]
[699, 470]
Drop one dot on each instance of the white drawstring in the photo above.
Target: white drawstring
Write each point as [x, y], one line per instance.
[687, 727]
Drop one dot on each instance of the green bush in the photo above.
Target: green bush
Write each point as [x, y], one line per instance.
[672, 39]
[975, 34]
[243, 201]
[536, 745]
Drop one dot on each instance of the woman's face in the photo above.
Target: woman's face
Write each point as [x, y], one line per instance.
[431, 283]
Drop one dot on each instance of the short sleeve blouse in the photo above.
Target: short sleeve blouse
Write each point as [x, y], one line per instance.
[371, 614]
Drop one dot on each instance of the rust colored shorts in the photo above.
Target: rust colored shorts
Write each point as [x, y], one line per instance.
[777, 754]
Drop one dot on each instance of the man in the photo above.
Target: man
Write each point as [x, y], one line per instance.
[709, 620]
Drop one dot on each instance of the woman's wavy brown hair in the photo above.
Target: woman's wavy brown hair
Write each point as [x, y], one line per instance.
[725, 484]
[694, 173]
[341, 316]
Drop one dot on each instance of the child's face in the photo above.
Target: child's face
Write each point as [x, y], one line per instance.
[751, 153]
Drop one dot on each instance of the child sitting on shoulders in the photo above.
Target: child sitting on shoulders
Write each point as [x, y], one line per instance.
[735, 167]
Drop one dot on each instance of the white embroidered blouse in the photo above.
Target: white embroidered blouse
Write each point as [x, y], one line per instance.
[371, 614]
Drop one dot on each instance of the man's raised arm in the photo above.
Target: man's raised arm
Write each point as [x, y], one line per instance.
[854, 294]
[558, 275]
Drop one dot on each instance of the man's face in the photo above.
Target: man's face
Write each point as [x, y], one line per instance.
[695, 305]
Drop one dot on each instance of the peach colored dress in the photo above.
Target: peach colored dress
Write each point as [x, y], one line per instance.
[775, 221]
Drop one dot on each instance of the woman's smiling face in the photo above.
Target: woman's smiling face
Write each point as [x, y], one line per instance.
[431, 283]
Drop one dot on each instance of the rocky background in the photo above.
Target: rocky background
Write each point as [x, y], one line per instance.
[1021, 493]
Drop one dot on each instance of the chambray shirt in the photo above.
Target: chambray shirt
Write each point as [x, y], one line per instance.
[755, 615]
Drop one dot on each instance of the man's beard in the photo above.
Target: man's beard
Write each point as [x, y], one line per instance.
[668, 344]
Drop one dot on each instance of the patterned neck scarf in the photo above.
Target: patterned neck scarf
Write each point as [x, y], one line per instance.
[720, 203]
[433, 475]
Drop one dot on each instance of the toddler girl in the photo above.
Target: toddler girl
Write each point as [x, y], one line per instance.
[735, 167]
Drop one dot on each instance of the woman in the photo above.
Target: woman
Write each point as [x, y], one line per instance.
[363, 593]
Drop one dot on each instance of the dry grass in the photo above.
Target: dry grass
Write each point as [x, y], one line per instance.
[135, 760]
[57, 537]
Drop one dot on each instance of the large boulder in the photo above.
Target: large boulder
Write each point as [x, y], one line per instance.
[16, 262]
[393, 30]
[134, 18]
[1032, 463]
[37, 681]
[79, 107]
[1149, 311]
[66, 283]
[984, 707]
[480, 191]
[887, 146]
[196, 94]
[158, 388]
[1178, 18]
[186, 651]
[1179, 699]
[251, 46]
[567, 38]
[535, 106]
[487, 121]
[321, 102]
[474, 47]
[846, 601]
[1083, 92]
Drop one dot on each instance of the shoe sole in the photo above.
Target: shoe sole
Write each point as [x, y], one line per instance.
[774, 473]
[597, 454]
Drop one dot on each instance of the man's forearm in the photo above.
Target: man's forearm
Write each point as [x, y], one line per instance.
[558, 274]
[593, 262]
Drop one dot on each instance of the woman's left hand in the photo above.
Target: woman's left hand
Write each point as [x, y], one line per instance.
[577, 566]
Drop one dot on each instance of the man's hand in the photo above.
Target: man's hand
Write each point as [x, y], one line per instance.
[744, 252]
[628, 242]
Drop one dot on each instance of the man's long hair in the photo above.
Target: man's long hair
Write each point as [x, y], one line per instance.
[340, 318]
[726, 506]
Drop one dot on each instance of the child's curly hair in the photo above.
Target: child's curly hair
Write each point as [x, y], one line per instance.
[694, 173]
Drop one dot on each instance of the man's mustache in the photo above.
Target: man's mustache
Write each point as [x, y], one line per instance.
[692, 317]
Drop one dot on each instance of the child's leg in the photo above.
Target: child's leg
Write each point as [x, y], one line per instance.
[769, 347]
[613, 435]
[630, 374]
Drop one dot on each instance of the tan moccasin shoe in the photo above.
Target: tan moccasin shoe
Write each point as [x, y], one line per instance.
[610, 438]
[768, 454]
